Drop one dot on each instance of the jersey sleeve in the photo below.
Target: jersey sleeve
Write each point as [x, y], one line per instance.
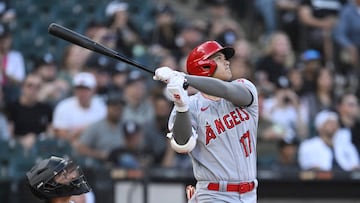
[251, 87]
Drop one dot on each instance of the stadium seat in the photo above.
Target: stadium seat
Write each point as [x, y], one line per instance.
[49, 146]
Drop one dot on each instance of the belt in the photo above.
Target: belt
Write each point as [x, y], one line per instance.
[240, 187]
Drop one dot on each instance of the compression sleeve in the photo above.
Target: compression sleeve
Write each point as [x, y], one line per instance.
[236, 93]
[182, 129]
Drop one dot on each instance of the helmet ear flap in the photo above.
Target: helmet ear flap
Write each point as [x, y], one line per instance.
[208, 66]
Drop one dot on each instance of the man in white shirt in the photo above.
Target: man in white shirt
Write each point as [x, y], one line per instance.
[328, 151]
[72, 115]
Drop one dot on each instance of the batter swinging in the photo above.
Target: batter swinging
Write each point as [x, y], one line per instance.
[217, 127]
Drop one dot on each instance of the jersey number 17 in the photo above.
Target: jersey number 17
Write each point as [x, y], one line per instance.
[246, 143]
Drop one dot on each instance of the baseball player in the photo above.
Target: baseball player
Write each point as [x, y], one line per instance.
[56, 179]
[217, 126]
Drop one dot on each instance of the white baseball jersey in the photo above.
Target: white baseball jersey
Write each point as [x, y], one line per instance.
[226, 142]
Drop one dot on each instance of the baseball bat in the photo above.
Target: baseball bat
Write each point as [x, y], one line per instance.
[85, 42]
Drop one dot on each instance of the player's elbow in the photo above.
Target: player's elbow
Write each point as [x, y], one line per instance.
[184, 148]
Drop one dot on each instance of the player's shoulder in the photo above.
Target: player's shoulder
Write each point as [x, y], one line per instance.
[250, 85]
[311, 142]
[66, 103]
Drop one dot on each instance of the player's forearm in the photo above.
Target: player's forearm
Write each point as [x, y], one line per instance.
[182, 128]
[235, 93]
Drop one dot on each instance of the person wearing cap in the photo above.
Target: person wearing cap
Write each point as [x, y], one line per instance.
[105, 135]
[121, 26]
[311, 60]
[53, 89]
[101, 66]
[119, 74]
[138, 106]
[326, 152]
[131, 154]
[72, 115]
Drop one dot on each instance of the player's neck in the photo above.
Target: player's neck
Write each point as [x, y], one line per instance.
[210, 97]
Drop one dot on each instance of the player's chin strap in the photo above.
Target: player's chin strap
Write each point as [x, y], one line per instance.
[186, 148]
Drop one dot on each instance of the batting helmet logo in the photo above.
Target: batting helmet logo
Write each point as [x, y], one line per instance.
[198, 62]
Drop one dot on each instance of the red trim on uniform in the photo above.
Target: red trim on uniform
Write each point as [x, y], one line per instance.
[240, 188]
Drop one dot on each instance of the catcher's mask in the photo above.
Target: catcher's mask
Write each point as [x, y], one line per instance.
[56, 177]
[198, 62]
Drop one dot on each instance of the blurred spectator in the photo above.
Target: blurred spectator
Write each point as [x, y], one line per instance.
[4, 128]
[7, 13]
[221, 26]
[75, 57]
[296, 82]
[286, 163]
[268, 129]
[272, 66]
[72, 63]
[347, 31]
[101, 67]
[318, 18]
[267, 10]
[53, 89]
[74, 114]
[12, 66]
[348, 110]
[133, 154]
[105, 135]
[242, 62]
[311, 61]
[119, 76]
[166, 28]
[284, 110]
[288, 20]
[157, 129]
[119, 23]
[29, 117]
[138, 105]
[189, 36]
[321, 97]
[328, 151]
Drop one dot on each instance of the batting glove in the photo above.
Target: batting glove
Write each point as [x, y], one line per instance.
[176, 93]
[166, 74]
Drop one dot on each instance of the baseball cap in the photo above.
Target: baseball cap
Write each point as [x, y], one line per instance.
[115, 99]
[114, 7]
[323, 116]
[46, 59]
[120, 68]
[134, 76]
[131, 127]
[164, 9]
[84, 79]
[311, 54]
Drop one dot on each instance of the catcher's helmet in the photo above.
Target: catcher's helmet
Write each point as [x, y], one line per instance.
[56, 177]
[198, 62]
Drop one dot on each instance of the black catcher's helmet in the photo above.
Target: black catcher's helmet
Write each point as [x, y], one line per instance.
[56, 177]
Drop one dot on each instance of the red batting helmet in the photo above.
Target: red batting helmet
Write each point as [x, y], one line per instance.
[198, 62]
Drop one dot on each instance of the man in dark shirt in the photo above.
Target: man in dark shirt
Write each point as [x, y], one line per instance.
[27, 115]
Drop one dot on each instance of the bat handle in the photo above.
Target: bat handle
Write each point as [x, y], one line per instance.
[185, 85]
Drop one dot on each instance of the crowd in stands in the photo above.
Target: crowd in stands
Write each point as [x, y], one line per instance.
[303, 56]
